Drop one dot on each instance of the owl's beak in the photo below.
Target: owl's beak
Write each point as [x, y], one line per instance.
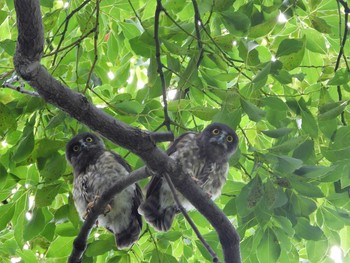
[220, 140]
[83, 145]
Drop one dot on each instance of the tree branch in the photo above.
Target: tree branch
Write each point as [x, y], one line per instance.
[159, 9]
[27, 63]
[9, 84]
[80, 241]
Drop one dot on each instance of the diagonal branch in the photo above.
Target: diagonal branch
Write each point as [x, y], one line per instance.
[29, 50]
[80, 241]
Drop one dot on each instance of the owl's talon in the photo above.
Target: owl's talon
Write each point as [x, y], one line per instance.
[90, 206]
[195, 179]
[107, 209]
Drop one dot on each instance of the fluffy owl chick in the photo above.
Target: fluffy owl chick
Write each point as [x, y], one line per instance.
[95, 171]
[204, 156]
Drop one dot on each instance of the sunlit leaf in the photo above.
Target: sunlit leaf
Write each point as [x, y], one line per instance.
[268, 249]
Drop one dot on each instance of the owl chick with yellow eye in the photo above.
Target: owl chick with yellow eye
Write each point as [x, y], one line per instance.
[204, 156]
[96, 169]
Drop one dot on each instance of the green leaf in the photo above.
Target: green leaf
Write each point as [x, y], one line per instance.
[44, 196]
[25, 146]
[50, 19]
[222, 5]
[263, 74]
[262, 29]
[130, 107]
[254, 113]
[250, 196]
[309, 124]
[288, 146]
[332, 219]
[286, 164]
[35, 225]
[304, 151]
[291, 52]
[269, 249]
[305, 230]
[3, 16]
[317, 250]
[204, 113]
[158, 256]
[340, 148]
[274, 197]
[305, 188]
[320, 24]
[27, 256]
[8, 46]
[56, 120]
[302, 206]
[58, 247]
[231, 118]
[237, 23]
[54, 168]
[47, 147]
[6, 213]
[100, 247]
[47, 3]
[277, 132]
[315, 41]
[7, 119]
[341, 77]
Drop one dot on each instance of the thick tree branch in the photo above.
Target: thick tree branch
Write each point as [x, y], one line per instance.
[27, 62]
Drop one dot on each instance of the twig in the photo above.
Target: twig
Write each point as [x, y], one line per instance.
[159, 9]
[8, 84]
[95, 45]
[189, 220]
[80, 242]
[66, 23]
[342, 45]
[197, 23]
[75, 43]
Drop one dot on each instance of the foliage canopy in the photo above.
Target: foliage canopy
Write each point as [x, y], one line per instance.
[276, 72]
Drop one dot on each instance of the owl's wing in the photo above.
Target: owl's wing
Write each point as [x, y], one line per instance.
[174, 146]
[156, 181]
[121, 160]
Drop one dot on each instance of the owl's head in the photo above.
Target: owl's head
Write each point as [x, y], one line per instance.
[84, 149]
[219, 140]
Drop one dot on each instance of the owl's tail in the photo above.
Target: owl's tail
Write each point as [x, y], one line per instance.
[160, 219]
[129, 236]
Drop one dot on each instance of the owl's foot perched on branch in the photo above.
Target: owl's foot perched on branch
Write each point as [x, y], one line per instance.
[90, 205]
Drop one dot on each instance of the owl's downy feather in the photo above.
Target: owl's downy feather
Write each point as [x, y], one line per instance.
[95, 171]
[204, 156]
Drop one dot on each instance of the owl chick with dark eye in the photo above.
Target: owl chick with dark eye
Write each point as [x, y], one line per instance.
[96, 169]
[204, 156]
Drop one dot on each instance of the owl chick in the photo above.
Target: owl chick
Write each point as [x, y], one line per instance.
[204, 156]
[96, 169]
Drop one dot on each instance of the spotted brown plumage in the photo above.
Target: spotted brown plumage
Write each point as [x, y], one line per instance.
[96, 169]
[204, 156]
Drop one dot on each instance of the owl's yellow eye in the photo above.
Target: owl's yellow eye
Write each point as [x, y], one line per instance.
[76, 148]
[88, 139]
[229, 138]
[215, 131]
